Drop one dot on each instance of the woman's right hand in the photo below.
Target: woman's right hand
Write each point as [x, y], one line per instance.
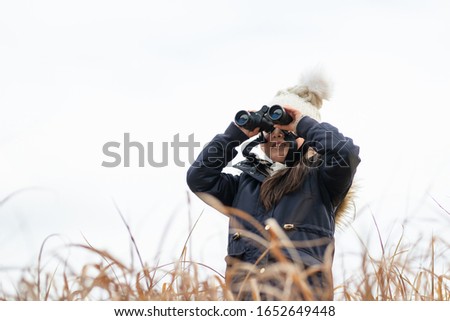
[249, 133]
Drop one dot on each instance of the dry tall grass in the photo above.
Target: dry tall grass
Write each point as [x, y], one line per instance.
[399, 274]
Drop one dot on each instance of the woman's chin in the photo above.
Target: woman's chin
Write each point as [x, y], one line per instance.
[278, 155]
[277, 159]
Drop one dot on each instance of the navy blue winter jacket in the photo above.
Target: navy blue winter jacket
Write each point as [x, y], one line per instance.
[307, 214]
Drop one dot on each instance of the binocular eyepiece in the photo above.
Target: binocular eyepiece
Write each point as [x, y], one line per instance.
[264, 118]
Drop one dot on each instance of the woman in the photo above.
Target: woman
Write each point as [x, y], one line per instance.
[301, 181]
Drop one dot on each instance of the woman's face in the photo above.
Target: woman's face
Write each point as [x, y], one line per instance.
[276, 147]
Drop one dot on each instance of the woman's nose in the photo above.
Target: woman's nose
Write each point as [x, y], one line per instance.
[277, 133]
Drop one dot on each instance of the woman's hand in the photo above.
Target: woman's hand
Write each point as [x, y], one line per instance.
[296, 116]
[249, 133]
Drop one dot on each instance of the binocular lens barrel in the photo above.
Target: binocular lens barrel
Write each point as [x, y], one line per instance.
[264, 118]
[278, 115]
[275, 113]
[242, 118]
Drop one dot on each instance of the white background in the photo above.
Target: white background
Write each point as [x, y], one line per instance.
[75, 75]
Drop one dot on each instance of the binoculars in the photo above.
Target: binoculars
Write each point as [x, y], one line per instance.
[264, 118]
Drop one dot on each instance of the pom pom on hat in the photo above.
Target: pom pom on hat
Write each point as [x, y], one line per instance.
[308, 94]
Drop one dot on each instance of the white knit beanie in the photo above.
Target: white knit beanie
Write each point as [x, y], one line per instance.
[308, 94]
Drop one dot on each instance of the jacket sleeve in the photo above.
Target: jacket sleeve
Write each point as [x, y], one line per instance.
[205, 174]
[340, 155]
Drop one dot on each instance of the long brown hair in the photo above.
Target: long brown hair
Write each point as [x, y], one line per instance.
[281, 183]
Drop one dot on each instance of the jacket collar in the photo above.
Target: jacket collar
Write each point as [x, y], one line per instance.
[256, 168]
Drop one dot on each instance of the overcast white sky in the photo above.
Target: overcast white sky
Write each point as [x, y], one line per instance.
[75, 75]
